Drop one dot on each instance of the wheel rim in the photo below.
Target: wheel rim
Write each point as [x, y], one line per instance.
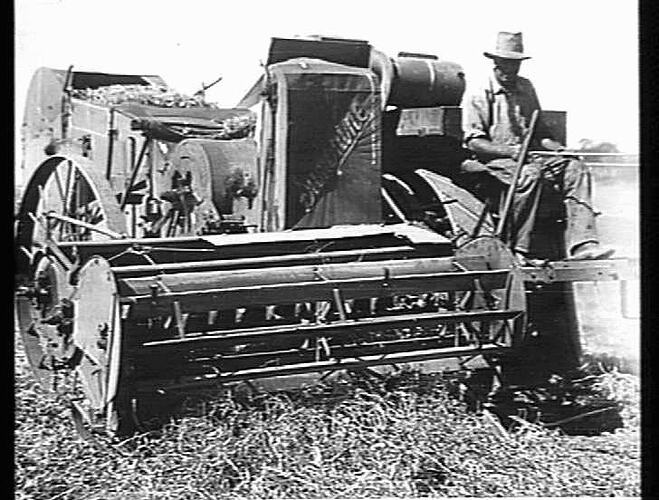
[62, 187]
[45, 336]
[97, 333]
[67, 189]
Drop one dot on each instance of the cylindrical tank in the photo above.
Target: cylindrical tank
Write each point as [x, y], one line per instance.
[426, 82]
[223, 172]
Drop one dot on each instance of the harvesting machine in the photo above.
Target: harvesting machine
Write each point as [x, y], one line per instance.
[165, 245]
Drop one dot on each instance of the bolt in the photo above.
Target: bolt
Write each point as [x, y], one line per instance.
[102, 342]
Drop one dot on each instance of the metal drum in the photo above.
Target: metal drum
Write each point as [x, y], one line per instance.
[425, 82]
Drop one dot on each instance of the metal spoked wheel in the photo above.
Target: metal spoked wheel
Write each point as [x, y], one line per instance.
[66, 201]
[63, 202]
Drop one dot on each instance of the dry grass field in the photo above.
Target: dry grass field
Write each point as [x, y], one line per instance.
[401, 437]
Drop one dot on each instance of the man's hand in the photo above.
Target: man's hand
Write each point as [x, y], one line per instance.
[515, 151]
[551, 144]
[553, 167]
[529, 174]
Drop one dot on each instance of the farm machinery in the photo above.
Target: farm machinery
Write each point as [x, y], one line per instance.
[166, 246]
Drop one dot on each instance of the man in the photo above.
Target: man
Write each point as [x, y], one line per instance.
[496, 122]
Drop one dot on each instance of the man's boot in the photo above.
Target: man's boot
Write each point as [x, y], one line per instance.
[581, 235]
[590, 250]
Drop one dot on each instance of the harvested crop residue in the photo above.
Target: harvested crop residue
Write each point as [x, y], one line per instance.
[358, 436]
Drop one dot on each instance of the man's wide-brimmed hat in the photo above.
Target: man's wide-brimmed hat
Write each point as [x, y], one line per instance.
[509, 46]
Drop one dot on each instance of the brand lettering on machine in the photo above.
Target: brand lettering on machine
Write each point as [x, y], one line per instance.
[347, 132]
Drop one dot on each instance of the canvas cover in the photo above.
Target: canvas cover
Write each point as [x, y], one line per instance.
[327, 145]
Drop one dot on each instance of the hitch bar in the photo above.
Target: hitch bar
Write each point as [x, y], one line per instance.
[583, 270]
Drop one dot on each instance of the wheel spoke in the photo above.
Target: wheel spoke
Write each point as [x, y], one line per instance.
[79, 200]
[60, 187]
[69, 185]
[64, 194]
[42, 209]
[39, 223]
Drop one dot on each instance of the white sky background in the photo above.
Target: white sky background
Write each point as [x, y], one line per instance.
[585, 52]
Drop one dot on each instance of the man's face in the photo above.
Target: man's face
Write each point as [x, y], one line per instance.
[505, 71]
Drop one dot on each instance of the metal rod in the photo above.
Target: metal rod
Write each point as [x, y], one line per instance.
[133, 174]
[66, 102]
[52, 246]
[60, 186]
[63, 195]
[76, 222]
[566, 152]
[339, 303]
[503, 216]
[112, 132]
[399, 213]
[481, 220]
[151, 170]
[312, 273]
[133, 220]
[314, 237]
[312, 367]
[570, 271]
[332, 329]
[70, 180]
[257, 261]
[607, 164]
[203, 300]
[179, 318]
[78, 196]
[354, 349]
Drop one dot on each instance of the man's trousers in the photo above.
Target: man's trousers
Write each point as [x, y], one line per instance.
[570, 177]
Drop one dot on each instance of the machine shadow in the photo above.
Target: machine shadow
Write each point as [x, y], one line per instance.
[573, 403]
